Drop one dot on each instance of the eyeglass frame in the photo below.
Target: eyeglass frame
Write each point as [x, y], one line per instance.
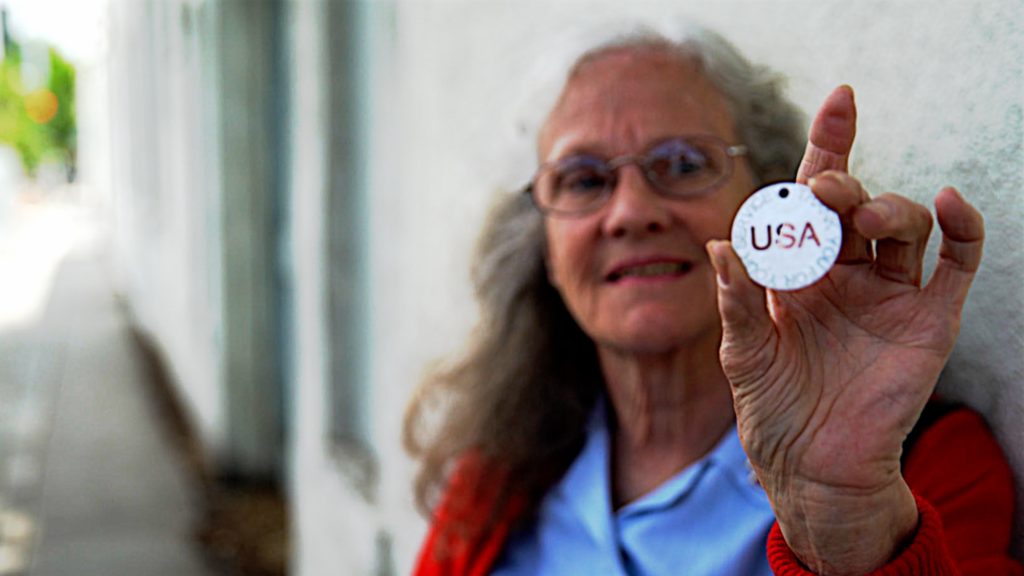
[613, 164]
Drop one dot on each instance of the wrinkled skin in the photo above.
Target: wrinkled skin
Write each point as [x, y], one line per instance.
[828, 381]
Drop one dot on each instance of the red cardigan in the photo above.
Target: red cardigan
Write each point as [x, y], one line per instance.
[963, 486]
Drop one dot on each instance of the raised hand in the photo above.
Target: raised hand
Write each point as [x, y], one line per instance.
[828, 381]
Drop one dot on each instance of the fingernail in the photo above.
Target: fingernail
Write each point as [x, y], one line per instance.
[721, 265]
[849, 90]
[883, 211]
[723, 276]
[822, 178]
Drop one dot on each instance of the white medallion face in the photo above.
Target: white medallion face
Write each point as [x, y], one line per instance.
[786, 238]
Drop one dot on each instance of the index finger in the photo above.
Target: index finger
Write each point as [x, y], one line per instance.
[831, 136]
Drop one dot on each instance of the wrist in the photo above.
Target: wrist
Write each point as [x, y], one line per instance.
[839, 531]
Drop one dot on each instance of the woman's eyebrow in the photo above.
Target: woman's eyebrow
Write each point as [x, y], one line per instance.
[569, 145]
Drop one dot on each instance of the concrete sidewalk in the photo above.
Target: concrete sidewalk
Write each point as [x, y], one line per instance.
[90, 485]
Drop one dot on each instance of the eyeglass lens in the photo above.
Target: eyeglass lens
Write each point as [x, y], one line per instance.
[677, 167]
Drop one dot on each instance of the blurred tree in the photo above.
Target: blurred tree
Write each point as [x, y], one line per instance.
[40, 124]
[62, 125]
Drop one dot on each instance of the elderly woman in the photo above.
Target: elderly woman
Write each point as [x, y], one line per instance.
[633, 404]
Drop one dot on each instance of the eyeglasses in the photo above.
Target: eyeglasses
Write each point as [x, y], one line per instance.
[681, 167]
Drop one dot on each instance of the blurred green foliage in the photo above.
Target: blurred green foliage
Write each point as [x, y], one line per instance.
[39, 124]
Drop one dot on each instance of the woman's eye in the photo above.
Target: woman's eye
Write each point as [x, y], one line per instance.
[679, 165]
[582, 182]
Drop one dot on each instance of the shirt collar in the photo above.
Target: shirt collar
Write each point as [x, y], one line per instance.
[586, 487]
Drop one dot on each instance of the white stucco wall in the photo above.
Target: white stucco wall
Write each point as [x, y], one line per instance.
[322, 502]
[163, 156]
[940, 88]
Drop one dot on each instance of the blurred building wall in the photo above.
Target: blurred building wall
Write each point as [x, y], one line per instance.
[196, 194]
[164, 207]
[298, 185]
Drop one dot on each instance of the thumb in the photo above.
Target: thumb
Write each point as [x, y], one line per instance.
[748, 334]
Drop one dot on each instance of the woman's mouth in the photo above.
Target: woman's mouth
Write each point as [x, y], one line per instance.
[650, 270]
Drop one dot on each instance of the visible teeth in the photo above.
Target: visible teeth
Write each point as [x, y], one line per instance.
[658, 269]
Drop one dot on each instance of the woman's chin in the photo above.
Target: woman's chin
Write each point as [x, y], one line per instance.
[662, 331]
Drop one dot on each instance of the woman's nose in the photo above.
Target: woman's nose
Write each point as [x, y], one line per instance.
[635, 207]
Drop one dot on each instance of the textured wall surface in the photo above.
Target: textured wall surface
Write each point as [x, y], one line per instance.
[939, 87]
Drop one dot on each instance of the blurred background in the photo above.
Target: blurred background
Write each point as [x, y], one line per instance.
[233, 233]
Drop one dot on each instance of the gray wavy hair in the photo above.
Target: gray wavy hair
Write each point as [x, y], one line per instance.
[519, 397]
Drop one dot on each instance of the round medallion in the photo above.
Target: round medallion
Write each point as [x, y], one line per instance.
[786, 238]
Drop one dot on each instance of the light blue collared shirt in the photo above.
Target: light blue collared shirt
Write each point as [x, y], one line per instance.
[712, 518]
